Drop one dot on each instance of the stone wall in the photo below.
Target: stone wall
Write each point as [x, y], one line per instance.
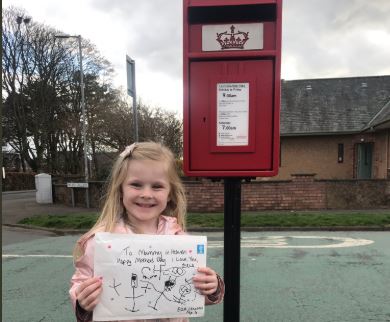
[355, 194]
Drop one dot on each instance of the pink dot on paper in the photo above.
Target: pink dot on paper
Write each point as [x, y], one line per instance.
[190, 251]
[109, 246]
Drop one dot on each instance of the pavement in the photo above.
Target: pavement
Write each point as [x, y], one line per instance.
[17, 205]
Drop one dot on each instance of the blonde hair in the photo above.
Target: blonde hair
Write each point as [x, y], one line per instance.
[113, 209]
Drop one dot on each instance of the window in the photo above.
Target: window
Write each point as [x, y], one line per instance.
[340, 157]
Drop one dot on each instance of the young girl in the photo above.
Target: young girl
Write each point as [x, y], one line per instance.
[145, 196]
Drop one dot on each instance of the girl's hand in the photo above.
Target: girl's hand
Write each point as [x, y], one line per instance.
[88, 292]
[206, 283]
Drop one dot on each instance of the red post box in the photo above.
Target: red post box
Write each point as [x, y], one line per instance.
[232, 56]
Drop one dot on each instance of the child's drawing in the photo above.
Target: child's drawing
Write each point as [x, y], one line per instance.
[148, 276]
[114, 286]
[134, 285]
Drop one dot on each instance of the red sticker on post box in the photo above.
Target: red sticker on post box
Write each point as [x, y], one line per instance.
[232, 114]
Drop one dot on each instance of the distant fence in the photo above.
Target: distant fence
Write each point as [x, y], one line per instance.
[302, 192]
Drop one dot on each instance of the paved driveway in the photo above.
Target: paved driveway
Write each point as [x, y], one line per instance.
[289, 276]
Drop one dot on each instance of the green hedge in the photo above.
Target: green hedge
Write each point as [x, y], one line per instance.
[15, 181]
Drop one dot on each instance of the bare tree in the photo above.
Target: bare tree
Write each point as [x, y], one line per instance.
[14, 123]
[31, 74]
[41, 101]
[41, 93]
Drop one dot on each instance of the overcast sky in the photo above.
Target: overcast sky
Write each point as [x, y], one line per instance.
[321, 38]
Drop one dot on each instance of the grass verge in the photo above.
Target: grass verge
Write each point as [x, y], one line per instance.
[70, 221]
[215, 220]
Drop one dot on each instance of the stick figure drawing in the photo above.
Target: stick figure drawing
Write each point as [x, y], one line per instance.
[134, 285]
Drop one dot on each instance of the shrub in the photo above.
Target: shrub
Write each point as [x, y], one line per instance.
[15, 181]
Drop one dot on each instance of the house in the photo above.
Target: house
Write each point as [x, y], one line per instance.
[336, 128]
[11, 160]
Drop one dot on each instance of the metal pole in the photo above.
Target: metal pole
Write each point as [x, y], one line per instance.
[135, 107]
[135, 119]
[83, 110]
[131, 90]
[232, 240]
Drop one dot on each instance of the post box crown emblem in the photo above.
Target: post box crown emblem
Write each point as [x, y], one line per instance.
[233, 39]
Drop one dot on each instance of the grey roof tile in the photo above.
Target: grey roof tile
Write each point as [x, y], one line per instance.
[381, 117]
[333, 105]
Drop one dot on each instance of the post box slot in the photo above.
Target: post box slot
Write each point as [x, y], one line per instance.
[218, 14]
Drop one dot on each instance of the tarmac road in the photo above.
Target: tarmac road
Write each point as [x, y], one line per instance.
[13, 235]
[285, 277]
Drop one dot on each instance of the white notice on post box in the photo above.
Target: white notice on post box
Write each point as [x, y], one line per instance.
[232, 114]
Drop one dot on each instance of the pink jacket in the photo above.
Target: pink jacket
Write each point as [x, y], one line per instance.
[84, 264]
